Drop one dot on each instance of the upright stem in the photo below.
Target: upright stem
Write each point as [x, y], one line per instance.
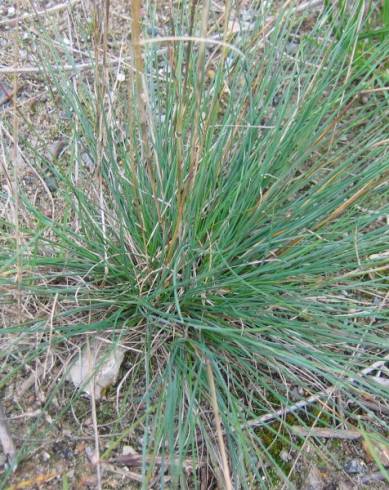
[219, 432]
[142, 103]
[184, 190]
[179, 136]
[16, 163]
[101, 81]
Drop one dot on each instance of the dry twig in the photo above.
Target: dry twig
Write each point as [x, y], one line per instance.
[326, 433]
[6, 440]
[37, 13]
[311, 399]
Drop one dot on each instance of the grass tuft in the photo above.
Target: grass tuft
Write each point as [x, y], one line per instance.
[233, 237]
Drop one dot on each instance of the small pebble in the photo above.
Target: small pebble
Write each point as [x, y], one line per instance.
[284, 455]
[45, 456]
[11, 11]
[152, 31]
[355, 466]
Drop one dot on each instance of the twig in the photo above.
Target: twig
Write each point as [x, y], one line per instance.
[138, 459]
[27, 415]
[373, 367]
[376, 407]
[292, 408]
[51, 10]
[6, 441]
[127, 475]
[312, 399]
[6, 70]
[28, 383]
[326, 433]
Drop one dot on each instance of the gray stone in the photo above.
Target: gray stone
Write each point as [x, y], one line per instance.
[355, 466]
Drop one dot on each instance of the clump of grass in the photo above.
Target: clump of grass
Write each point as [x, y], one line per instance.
[233, 235]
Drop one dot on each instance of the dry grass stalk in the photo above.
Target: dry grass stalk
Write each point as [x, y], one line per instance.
[219, 431]
[100, 39]
[146, 126]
